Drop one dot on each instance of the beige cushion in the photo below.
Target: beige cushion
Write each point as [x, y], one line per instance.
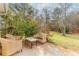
[17, 37]
[9, 36]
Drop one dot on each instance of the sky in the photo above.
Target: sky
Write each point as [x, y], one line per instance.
[40, 6]
[51, 6]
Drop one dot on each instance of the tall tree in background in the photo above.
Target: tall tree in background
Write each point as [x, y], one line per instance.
[64, 7]
[46, 16]
[56, 15]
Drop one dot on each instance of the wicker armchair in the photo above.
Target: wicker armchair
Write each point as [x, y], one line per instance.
[10, 47]
[42, 37]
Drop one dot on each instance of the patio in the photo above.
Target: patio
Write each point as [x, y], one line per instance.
[20, 23]
[46, 49]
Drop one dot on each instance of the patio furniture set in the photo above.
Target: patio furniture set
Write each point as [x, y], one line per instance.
[12, 44]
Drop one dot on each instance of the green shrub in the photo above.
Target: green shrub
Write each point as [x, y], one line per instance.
[26, 27]
[31, 28]
[19, 27]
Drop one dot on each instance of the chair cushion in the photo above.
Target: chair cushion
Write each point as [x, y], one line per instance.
[9, 36]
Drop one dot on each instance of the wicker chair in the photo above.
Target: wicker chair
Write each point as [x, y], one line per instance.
[10, 47]
[42, 37]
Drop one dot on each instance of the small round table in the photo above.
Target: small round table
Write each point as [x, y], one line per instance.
[32, 40]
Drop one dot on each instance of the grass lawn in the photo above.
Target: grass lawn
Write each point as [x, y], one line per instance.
[70, 41]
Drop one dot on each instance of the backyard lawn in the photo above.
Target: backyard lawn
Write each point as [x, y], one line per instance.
[70, 41]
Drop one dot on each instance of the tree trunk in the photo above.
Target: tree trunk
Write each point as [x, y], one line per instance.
[64, 27]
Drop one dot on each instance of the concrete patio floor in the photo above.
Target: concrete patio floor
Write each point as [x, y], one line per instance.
[46, 49]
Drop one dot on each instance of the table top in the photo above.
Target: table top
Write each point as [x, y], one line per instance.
[31, 39]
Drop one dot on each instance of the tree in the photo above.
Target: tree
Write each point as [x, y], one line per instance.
[73, 18]
[41, 23]
[64, 7]
[26, 9]
[47, 17]
[56, 15]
